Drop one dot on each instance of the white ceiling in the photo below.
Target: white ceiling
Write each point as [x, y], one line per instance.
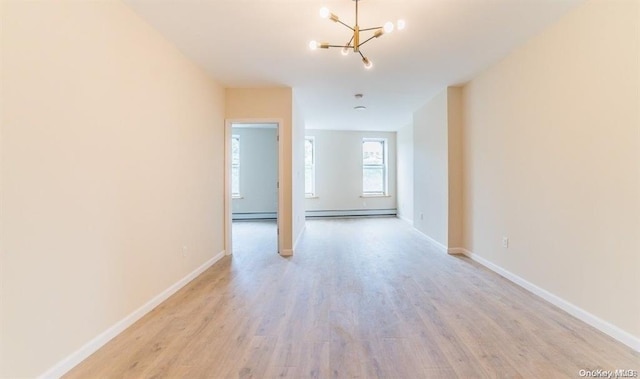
[258, 43]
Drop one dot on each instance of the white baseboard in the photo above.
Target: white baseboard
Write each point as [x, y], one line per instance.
[407, 220]
[577, 312]
[437, 244]
[65, 365]
[295, 245]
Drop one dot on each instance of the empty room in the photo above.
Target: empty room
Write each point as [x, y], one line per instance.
[316, 189]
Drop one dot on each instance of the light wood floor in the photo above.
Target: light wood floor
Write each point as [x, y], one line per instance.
[366, 298]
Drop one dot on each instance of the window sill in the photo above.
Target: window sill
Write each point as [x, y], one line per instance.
[237, 197]
[311, 197]
[375, 195]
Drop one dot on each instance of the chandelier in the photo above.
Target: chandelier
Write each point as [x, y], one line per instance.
[356, 40]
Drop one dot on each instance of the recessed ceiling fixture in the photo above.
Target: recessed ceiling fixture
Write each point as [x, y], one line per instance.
[358, 96]
[354, 43]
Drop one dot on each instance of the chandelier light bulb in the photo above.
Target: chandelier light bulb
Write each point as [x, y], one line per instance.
[345, 50]
[401, 24]
[367, 63]
[324, 12]
[313, 45]
[388, 27]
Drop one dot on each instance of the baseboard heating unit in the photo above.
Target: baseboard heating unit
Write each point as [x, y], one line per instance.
[352, 213]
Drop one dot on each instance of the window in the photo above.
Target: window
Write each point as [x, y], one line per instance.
[309, 167]
[235, 166]
[374, 166]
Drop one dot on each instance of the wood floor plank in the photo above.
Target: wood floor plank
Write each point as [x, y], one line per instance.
[361, 298]
[410, 365]
[315, 360]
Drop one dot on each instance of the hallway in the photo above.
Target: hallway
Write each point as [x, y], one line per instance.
[361, 298]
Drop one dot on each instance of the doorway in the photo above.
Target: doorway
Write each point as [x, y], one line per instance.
[252, 187]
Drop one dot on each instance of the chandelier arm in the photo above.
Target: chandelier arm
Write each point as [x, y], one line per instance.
[360, 52]
[367, 40]
[348, 44]
[340, 22]
[340, 46]
[367, 29]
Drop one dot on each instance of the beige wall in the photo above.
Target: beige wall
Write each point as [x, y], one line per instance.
[551, 161]
[437, 168]
[271, 104]
[454, 165]
[404, 146]
[430, 170]
[111, 162]
[2, 269]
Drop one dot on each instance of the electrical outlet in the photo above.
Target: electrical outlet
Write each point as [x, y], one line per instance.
[421, 216]
[505, 242]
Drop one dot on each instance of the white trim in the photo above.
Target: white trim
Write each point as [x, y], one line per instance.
[577, 312]
[384, 166]
[437, 244]
[256, 126]
[407, 220]
[228, 223]
[228, 194]
[65, 365]
[304, 228]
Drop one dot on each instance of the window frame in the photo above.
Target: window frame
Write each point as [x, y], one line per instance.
[311, 194]
[384, 166]
[235, 195]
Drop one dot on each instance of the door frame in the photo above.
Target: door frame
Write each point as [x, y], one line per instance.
[228, 212]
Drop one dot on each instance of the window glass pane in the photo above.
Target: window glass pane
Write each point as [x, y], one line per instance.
[373, 180]
[309, 169]
[308, 152]
[235, 180]
[235, 150]
[373, 152]
[308, 180]
[235, 165]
